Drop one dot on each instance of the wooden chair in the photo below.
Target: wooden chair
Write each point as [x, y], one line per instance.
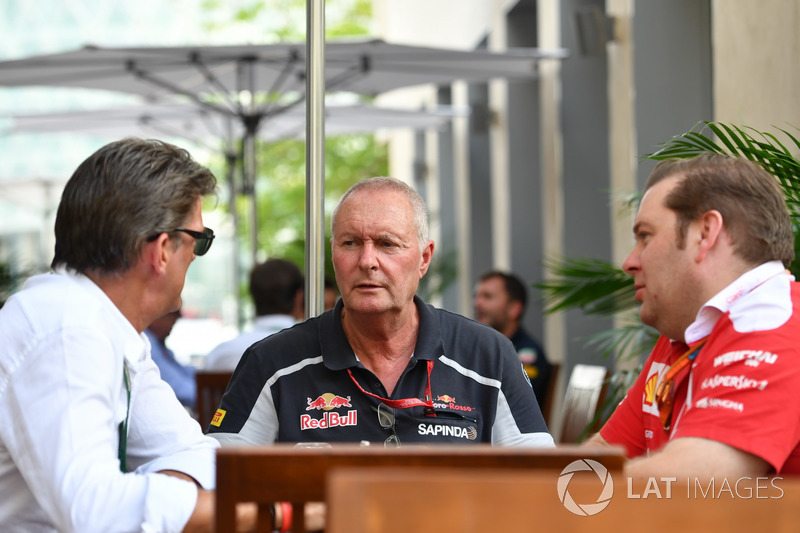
[584, 394]
[267, 474]
[435, 500]
[210, 388]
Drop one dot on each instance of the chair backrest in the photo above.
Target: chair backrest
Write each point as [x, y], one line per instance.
[210, 388]
[267, 474]
[585, 392]
[391, 500]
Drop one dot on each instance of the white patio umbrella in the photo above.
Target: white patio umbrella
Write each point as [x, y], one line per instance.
[250, 83]
[207, 128]
[215, 131]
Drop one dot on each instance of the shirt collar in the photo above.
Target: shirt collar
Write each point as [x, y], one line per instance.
[338, 354]
[722, 302]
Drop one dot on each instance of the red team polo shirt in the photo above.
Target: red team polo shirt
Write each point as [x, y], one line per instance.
[743, 388]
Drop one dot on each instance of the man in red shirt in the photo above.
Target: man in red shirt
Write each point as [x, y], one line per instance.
[717, 396]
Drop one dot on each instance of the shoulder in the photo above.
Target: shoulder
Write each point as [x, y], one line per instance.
[56, 302]
[772, 304]
[476, 345]
[288, 346]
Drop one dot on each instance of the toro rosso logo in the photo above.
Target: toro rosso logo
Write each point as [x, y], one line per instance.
[445, 401]
[328, 401]
[330, 419]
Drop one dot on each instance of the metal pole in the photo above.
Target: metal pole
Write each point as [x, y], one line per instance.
[230, 157]
[315, 157]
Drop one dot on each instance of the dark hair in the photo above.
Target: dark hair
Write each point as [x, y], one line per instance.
[274, 285]
[125, 192]
[517, 292]
[751, 202]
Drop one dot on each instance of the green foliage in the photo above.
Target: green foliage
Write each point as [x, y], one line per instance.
[285, 20]
[282, 184]
[10, 280]
[593, 285]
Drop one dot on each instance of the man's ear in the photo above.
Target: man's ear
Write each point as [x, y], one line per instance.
[711, 231]
[427, 256]
[515, 309]
[158, 253]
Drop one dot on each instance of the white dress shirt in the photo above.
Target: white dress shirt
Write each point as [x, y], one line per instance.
[62, 398]
[226, 356]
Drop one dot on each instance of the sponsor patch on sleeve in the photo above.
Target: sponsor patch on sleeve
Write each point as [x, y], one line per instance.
[218, 416]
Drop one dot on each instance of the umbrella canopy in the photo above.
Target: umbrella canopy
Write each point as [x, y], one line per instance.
[365, 67]
[210, 129]
[203, 126]
[252, 82]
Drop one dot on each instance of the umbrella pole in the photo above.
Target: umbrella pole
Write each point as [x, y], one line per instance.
[315, 157]
[230, 157]
[249, 147]
[250, 121]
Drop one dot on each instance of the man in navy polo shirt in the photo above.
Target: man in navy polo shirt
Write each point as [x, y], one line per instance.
[382, 366]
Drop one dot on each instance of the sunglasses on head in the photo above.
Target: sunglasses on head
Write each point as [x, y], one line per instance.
[202, 239]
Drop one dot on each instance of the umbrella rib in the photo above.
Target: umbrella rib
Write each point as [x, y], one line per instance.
[212, 79]
[281, 78]
[162, 127]
[144, 75]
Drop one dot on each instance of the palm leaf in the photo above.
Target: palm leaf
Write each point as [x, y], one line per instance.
[628, 341]
[596, 286]
[762, 147]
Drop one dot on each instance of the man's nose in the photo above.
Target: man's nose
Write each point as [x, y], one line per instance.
[368, 259]
[631, 263]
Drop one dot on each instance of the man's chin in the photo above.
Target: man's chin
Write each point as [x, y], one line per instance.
[365, 305]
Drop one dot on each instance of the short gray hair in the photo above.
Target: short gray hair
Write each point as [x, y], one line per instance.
[392, 184]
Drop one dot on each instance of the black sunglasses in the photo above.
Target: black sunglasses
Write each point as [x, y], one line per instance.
[202, 239]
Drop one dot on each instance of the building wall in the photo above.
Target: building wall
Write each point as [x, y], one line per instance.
[755, 68]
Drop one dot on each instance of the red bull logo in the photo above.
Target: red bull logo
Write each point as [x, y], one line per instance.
[328, 401]
[329, 420]
[446, 398]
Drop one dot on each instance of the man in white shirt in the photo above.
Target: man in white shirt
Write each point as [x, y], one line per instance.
[277, 290]
[92, 439]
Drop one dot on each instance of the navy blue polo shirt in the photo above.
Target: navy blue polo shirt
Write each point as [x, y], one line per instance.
[294, 386]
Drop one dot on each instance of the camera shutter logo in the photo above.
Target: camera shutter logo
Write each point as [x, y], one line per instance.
[585, 509]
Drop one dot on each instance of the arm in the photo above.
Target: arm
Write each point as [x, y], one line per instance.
[66, 402]
[700, 458]
[518, 419]
[250, 416]
[596, 441]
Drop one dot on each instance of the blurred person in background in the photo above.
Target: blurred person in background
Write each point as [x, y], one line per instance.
[500, 301]
[276, 287]
[179, 376]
